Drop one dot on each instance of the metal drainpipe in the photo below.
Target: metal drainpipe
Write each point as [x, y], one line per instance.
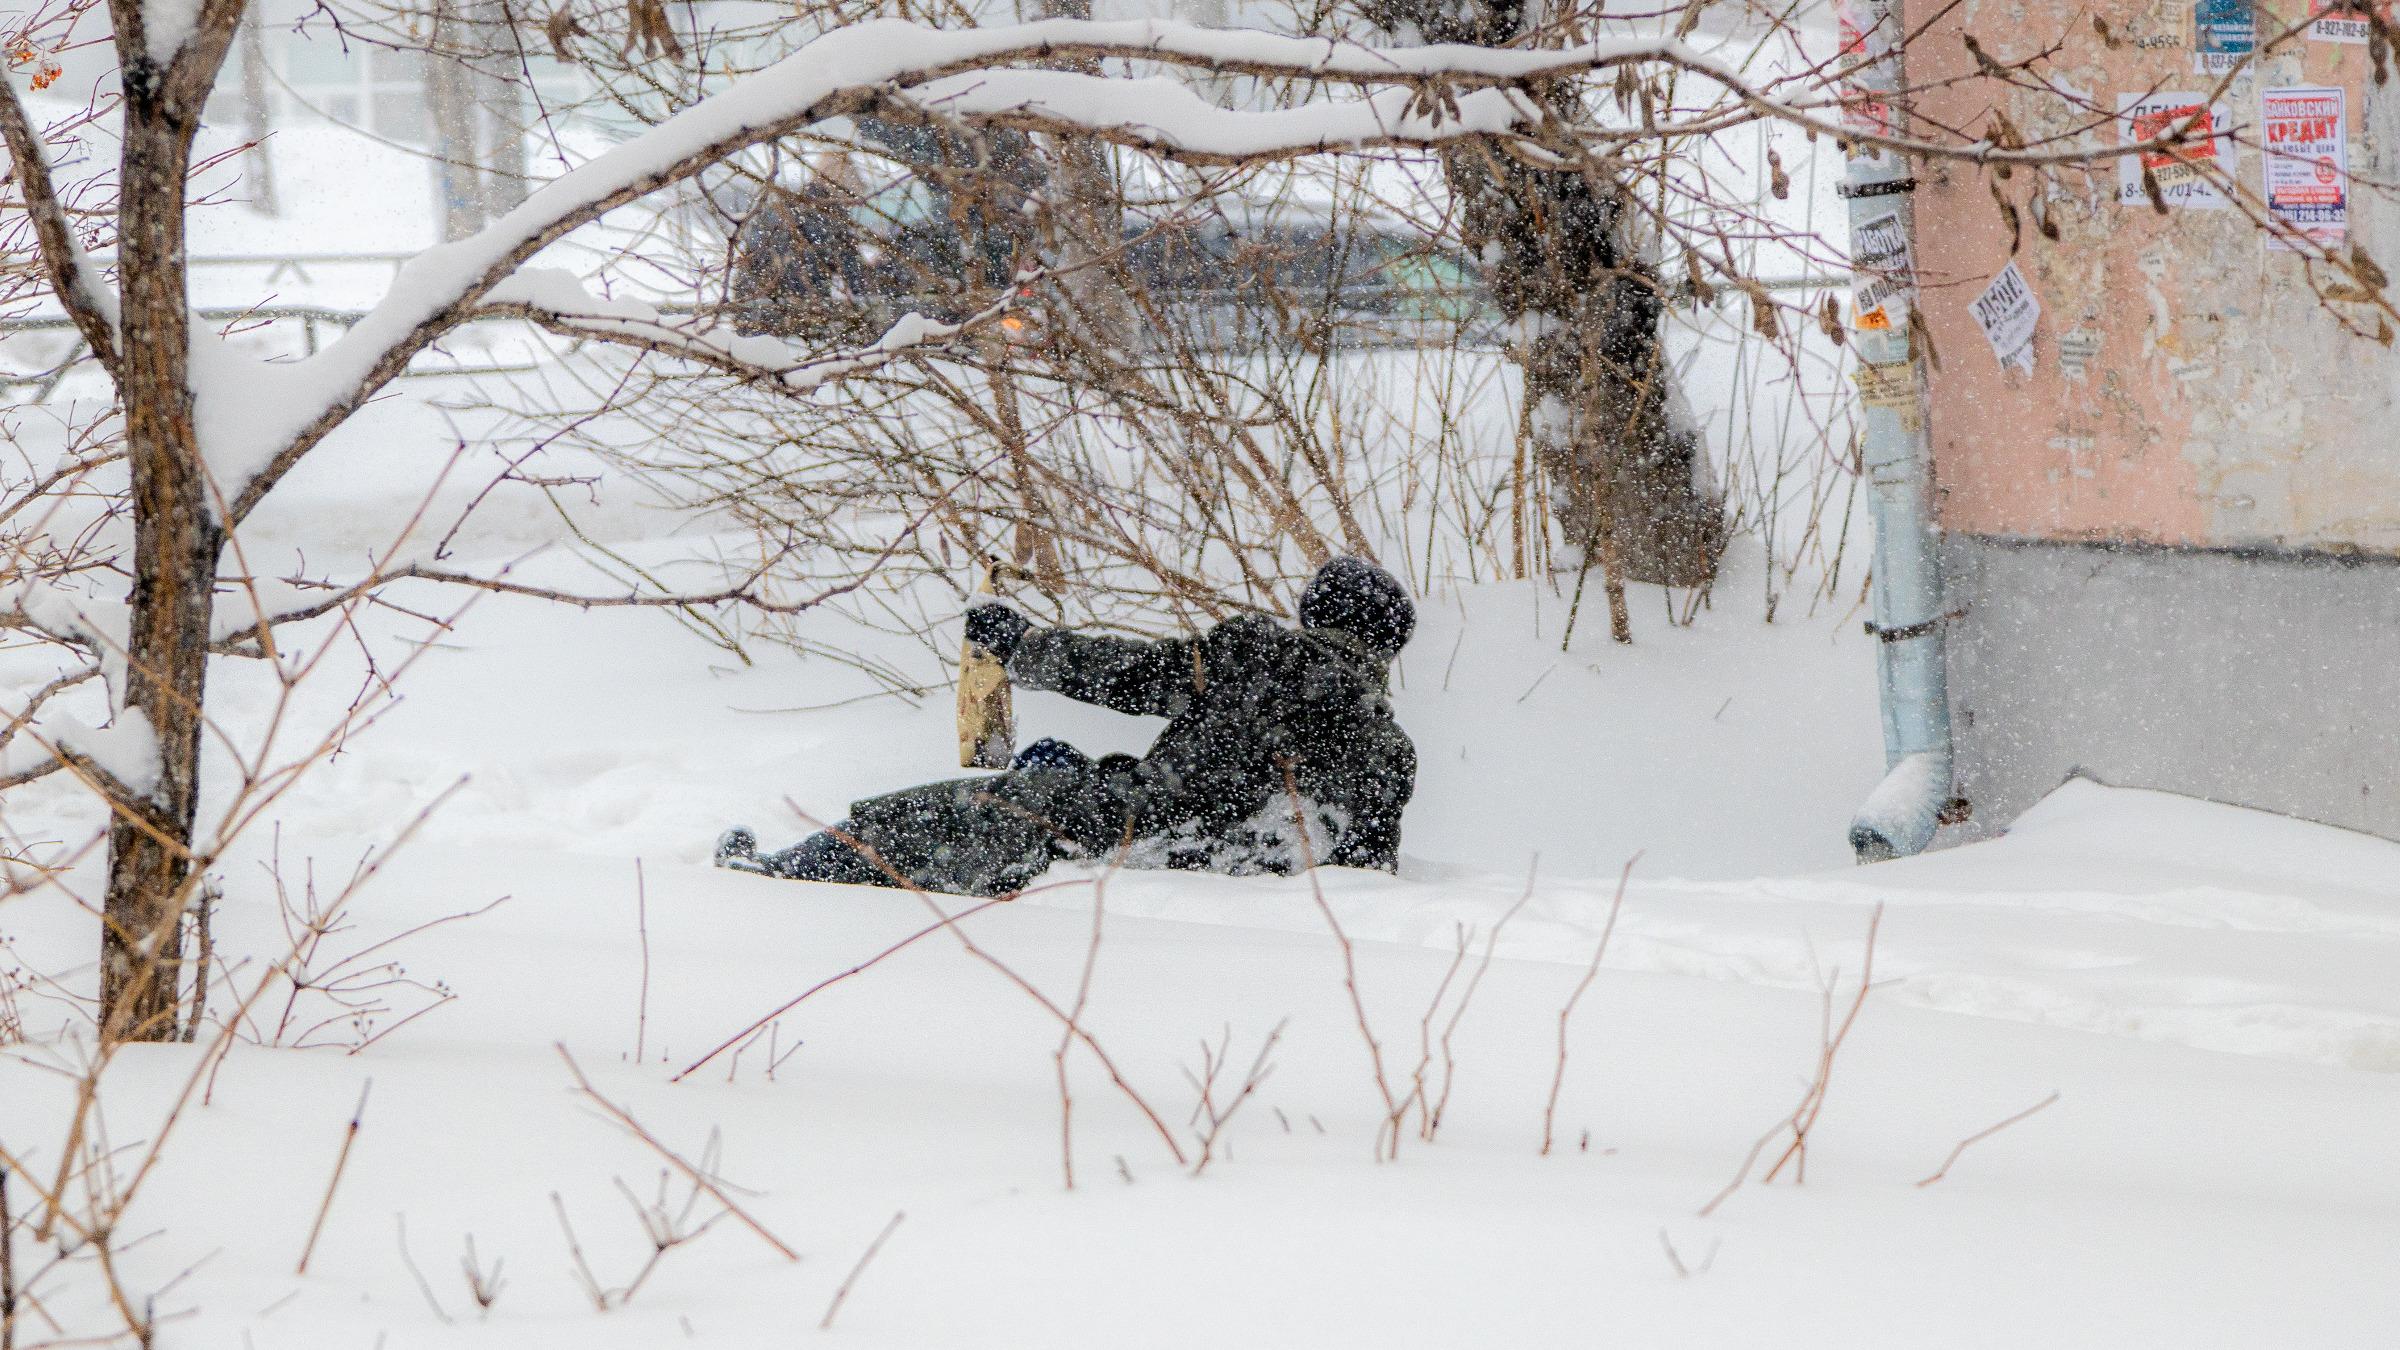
[1899, 817]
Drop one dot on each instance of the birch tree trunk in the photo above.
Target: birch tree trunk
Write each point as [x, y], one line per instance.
[503, 108]
[450, 87]
[1086, 218]
[255, 109]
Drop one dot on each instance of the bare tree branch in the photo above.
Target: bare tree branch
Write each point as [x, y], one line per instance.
[86, 298]
[891, 67]
[912, 334]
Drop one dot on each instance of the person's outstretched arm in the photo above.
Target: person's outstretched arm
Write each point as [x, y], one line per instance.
[1129, 675]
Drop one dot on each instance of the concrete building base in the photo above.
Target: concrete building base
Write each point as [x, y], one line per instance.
[2261, 679]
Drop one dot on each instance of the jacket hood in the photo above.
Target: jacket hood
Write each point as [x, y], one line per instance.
[1354, 596]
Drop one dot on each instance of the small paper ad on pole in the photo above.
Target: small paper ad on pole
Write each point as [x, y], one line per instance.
[1886, 284]
[2303, 138]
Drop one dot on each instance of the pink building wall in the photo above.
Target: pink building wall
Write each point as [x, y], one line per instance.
[2188, 386]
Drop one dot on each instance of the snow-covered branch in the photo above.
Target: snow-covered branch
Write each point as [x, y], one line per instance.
[1169, 118]
[23, 760]
[556, 302]
[257, 420]
[86, 298]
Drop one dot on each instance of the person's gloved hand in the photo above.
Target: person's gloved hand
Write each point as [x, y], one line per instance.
[996, 628]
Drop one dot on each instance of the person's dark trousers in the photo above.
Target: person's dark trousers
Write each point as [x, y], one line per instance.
[966, 836]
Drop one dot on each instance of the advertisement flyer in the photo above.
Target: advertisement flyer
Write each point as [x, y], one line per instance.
[2337, 20]
[1866, 27]
[2302, 140]
[1885, 272]
[1893, 386]
[2188, 175]
[2224, 33]
[2006, 312]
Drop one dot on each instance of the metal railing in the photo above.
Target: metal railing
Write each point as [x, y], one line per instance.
[312, 319]
[315, 320]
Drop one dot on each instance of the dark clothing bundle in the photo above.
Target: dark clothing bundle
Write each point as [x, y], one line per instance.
[1247, 704]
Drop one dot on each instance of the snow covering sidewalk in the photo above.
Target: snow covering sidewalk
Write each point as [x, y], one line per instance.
[2129, 913]
[2171, 1196]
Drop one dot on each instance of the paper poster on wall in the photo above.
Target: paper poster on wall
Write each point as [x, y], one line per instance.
[2187, 175]
[2337, 21]
[1886, 275]
[2302, 140]
[1865, 89]
[1866, 30]
[2006, 312]
[2224, 33]
[1867, 114]
[1893, 387]
[2078, 349]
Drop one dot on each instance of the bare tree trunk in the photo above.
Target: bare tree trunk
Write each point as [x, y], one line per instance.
[176, 545]
[1569, 275]
[1562, 253]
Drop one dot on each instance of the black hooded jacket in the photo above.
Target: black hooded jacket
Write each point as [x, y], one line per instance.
[1280, 751]
[1245, 703]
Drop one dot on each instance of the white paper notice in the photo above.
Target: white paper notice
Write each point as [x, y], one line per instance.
[2306, 150]
[2338, 21]
[2007, 312]
[2186, 175]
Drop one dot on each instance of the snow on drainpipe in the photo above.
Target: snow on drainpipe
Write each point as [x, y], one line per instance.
[1899, 816]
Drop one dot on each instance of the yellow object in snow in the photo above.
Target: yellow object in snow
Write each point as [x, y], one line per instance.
[987, 720]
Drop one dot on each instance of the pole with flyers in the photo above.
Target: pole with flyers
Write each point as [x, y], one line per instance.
[1896, 453]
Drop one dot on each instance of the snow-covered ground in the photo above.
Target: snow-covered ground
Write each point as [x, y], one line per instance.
[2206, 999]
[2112, 950]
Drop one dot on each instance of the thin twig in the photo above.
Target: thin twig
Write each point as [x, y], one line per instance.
[1591, 973]
[201, 923]
[966, 941]
[341, 1160]
[583, 1268]
[1392, 1106]
[1980, 1135]
[694, 1174]
[1432, 1123]
[1675, 1258]
[1218, 1118]
[1433, 1006]
[641, 917]
[8, 1268]
[842, 1293]
[1803, 1117]
[483, 1286]
[831, 980]
[1813, 1105]
[1066, 1038]
[409, 1260]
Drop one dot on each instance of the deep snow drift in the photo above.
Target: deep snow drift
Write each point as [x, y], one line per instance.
[2173, 1194]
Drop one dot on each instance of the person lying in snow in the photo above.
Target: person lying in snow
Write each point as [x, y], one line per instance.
[1244, 702]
